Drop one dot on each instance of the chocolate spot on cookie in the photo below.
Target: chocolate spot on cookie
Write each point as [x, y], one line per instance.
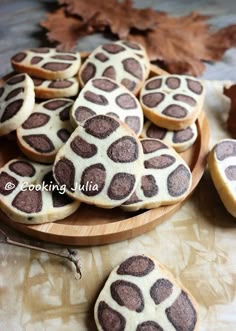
[93, 180]
[159, 162]
[173, 82]
[63, 134]
[178, 181]
[183, 135]
[132, 45]
[156, 132]
[11, 110]
[138, 266]
[113, 48]
[154, 84]
[151, 145]
[1, 91]
[225, 149]
[127, 294]
[16, 79]
[64, 83]
[56, 66]
[101, 57]
[39, 142]
[175, 111]
[133, 67]
[14, 93]
[151, 100]
[60, 200]
[104, 84]
[126, 101]
[121, 186]
[22, 168]
[230, 173]
[55, 104]
[194, 86]
[83, 148]
[36, 120]
[83, 113]
[149, 326]
[110, 73]
[88, 72]
[123, 150]
[65, 57]
[65, 114]
[109, 318]
[36, 59]
[64, 173]
[19, 57]
[149, 187]
[28, 201]
[40, 50]
[37, 81]
[185, 98]
[129, 84]
[112, 114]
[182, 314]
[133, 199]
[161, 290]
[96, 98]
[101, 126]
[7, 183]
[133, 122]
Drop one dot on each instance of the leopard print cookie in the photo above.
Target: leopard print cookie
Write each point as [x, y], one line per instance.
[165, 178]
[222, 167]
[16, 102]
[60, 88]
[103, 96]
[47, 63]
[172, 102]
[117, 62]
[180, 140]
[46, 130]
[29, 194]
[142, 295]
[100, 163]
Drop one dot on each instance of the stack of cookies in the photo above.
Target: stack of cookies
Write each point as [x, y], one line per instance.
[114, 144]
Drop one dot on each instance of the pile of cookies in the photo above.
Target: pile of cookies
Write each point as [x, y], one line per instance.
[95, 148]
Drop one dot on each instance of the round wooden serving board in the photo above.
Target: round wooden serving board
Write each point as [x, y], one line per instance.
[95, 226]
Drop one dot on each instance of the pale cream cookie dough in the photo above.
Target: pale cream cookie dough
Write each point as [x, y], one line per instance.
[173, 102]
[47, 63]
[165, 178]
[101, 162]
[103, 96]
[24, 199]
[46, 130]
[222, 167]
[180, 140]
[16, 102]
[142, 295]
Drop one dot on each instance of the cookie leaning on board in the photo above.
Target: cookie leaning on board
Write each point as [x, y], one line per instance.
[142, 295]
[23, 199]
[222, 167]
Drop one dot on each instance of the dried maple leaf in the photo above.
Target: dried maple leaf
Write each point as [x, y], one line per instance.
[182, 43]
[65, 29]
[121, 17]
[231, 123]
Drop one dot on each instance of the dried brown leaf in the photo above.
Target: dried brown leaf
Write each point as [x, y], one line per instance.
[231, 123]
[65, 29]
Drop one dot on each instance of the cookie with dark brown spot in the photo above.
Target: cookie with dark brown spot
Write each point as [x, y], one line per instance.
[16, 102]
[118, 61]
[165, 178]
[51, 117]
[103, 96]
[46, 63]
[142, 295]
[172, 102]
[109, 156]
[222, 167]
[29, 194]
[180, 140]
